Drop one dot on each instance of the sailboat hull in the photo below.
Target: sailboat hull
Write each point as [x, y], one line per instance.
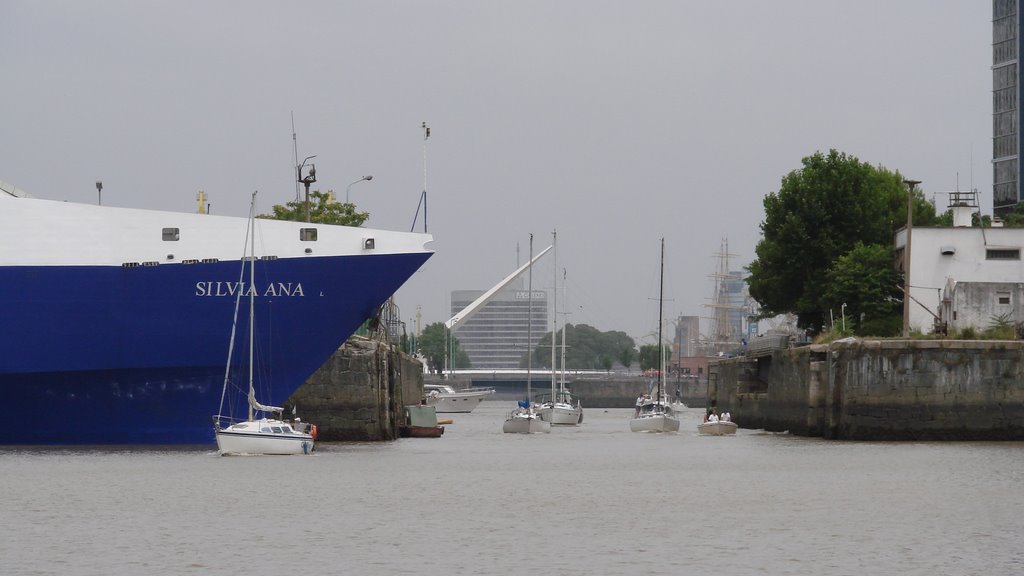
[517, 424]
[654, 423]
[259, 437]
[561, 414]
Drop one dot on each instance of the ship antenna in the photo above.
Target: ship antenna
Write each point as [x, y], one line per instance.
[295, 149]
[423, 195]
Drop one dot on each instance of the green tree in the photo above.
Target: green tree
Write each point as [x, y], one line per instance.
[627, 355]
[433, 345]
[649, 356]
[585, 347]
[323, 209]
[865, 280]
[820, 213]
[1015, 219]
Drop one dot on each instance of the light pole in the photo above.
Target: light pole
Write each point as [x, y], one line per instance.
[367, 178]
[99, 193]
[906, 256]
[307, 180]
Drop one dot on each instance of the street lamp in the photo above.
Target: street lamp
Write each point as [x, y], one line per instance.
[370, 177]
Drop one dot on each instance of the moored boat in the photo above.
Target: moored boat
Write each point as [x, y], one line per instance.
[447, 400]
[116, 315]
[420, 422]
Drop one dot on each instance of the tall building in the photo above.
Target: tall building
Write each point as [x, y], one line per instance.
[495, 338]
[1006, 86]
[687, 341]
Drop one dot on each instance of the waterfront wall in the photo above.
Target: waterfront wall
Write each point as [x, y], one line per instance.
[595, 391]
[879, 390]
[359, 394]
[621, 391]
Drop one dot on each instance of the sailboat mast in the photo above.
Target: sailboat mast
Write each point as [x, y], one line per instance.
[554, 325]
[564, 324]
[661, 304]
[252, 299]
[529, 323]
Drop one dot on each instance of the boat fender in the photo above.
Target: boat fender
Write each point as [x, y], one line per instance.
[312, 431]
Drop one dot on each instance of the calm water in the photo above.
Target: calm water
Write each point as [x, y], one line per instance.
[596, 499]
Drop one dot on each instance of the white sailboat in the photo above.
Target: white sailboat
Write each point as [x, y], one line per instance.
[264, 435]
[524, 419]
[558, 408]
[656, 414]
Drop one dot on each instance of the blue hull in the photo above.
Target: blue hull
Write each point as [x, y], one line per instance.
[112, 355]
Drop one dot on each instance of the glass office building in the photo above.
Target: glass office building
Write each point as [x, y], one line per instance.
[495, 338]
[1006, 132]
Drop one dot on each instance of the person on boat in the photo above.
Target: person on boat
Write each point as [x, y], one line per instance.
[639, 403]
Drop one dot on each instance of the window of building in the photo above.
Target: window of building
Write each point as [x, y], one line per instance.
[1002, 254]
[1003, 298]
[171, 234]
[307, 234]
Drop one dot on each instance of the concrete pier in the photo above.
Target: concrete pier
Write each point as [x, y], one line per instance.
[595, 390]
[359, 394]
[879, 390]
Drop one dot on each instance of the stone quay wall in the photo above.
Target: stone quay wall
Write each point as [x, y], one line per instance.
[359, 394]
[595, 391]
[879, 390]
[621, 391]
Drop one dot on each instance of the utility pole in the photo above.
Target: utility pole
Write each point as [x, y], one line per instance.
[906, 256]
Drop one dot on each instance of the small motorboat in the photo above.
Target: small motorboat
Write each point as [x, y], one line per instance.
[717, 425]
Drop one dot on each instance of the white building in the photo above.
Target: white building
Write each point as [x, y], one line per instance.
[963, 276]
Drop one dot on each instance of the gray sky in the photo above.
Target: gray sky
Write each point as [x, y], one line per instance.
[615, 123]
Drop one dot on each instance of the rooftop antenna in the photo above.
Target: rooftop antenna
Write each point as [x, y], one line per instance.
[423, 195]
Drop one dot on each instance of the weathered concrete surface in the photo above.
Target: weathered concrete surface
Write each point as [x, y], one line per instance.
[621, 391]
[359, 393]
[879, 390]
